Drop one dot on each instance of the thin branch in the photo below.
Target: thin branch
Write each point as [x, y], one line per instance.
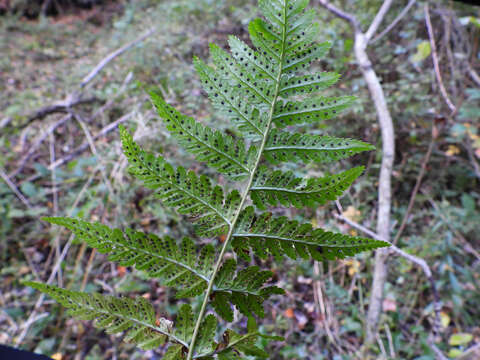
[65, 119]
[38, 304]
[394, 22]
[5, 121]
[15, 190]
[33, 148]
[472, 351]
[473, 161]
[33, 315]
[341, 14]
[80, 149]
[416, 187]
[412, 258]
[93, 148]
[438, 75]
[58, 107]
[377, 20]
[473, 74]
[436, 350]
[467, 247]
[112, 56]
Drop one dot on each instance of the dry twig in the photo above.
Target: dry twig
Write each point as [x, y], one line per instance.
[394, 22]
[15, 190]
[412, 258]
[417, 186]
[438, 75]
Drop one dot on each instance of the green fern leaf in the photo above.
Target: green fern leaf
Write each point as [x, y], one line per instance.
[226, 98]
[252, 86]
[222, 152]
[246, 290]
[265, 235]
[206, 340]
[184, 323]
[190, 194]
[181, 266]
[174, 352]
[310, 110]
[301, 85]
[244, 54]
[236, 343]
[285, 146]
[271, 188]
[134, 317]
[205, 343]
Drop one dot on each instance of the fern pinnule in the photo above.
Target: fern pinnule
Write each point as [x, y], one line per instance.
[310, 110]
[180, 266]
[266, 234]
[284, 146]
[245, 289]
[135, 317]
[273, 187]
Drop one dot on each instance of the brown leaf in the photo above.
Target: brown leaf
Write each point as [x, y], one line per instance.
[289, 313]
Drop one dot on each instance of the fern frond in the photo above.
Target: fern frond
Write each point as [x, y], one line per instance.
[254, 88]
[222, 152]
[266, 234]
[134, 317]
[285, 146]
[246, 290]
[183, 267]
[310, 110]
[190, 194]
[273, 187]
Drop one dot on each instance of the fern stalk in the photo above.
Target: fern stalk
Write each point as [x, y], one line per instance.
[246, 190]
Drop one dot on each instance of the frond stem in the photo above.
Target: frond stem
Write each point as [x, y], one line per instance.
[245, 192]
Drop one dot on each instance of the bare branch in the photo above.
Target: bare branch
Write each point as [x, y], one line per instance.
[341, 14]
[80, 149]
[377, 20]
[436, 350]
[394, 22]
[112, 56]
[15, 190]
[5, 121]
[34, 147]
[58, 107]
[417, 186]
[471, 353]
[412, 258]
[438, 75]
[473, 74]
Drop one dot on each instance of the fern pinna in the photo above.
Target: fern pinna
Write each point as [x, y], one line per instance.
[262, 91]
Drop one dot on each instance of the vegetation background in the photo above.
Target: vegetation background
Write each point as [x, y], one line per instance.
[60, 155]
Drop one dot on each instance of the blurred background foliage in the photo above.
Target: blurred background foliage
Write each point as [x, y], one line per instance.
[47, 50]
